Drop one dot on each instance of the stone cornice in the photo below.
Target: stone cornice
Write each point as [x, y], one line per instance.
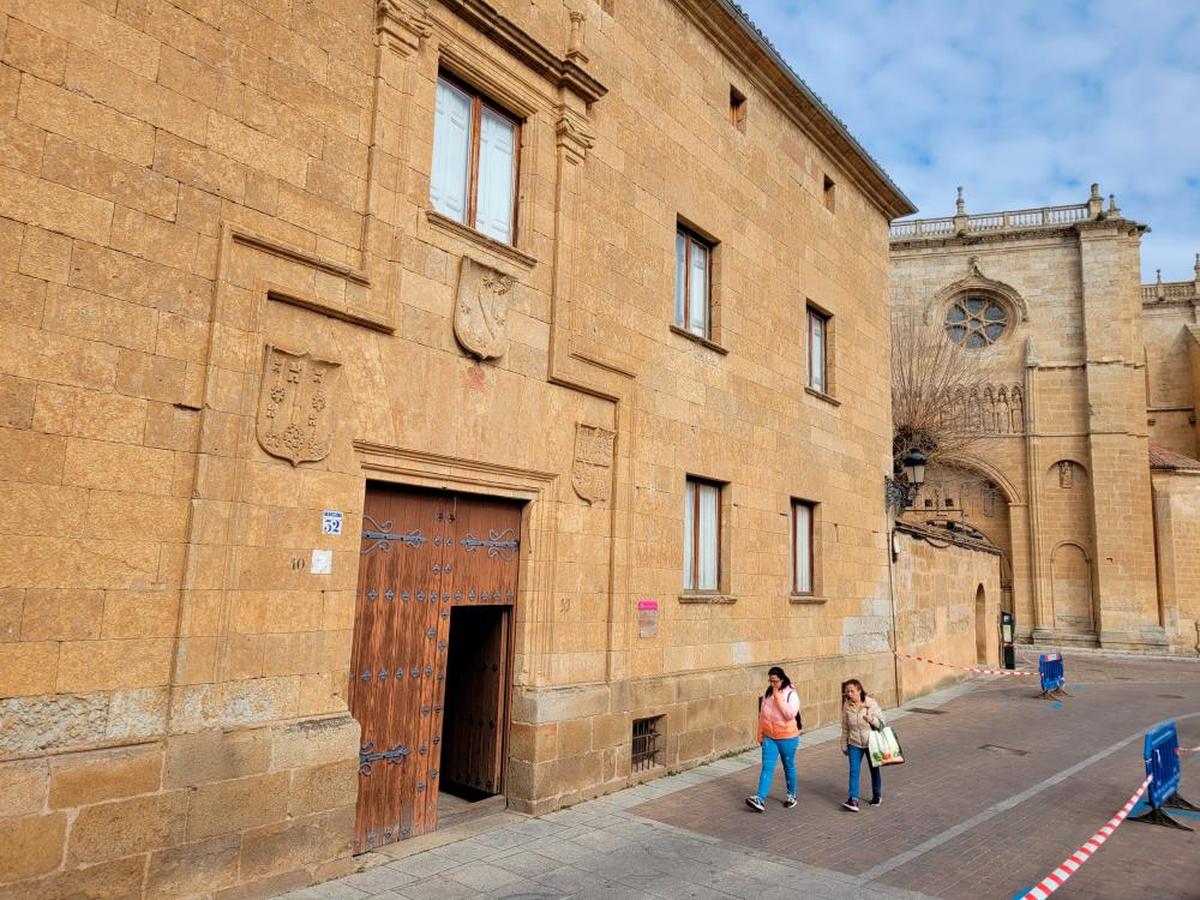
[559, 71]
[727, 27]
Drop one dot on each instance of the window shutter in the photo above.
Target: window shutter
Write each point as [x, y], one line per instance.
[803, 528]
[709, 543]
[497, 140]
[698, 302]
[689, 534]
[451, 152]
[680, 279]
[816, 351]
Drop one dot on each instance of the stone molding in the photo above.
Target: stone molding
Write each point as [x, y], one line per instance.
[975, 280]
[561, 72]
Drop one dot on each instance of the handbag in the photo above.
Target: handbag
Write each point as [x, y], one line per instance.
[883, 747]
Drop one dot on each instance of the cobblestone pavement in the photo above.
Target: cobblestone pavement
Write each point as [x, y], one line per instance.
[998, 789]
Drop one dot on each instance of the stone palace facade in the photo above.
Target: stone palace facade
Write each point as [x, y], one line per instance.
[406, 398]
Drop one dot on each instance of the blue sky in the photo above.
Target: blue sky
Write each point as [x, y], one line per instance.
[1022, 102]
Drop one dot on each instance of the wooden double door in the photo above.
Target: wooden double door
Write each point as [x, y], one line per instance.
[437, 583]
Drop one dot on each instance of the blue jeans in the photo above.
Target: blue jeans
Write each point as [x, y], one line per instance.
[773, 749]
[857, 755]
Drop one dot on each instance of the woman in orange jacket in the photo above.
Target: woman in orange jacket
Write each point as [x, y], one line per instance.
[779, 735]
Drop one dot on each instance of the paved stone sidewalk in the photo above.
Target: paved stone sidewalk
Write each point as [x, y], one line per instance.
[958, 820]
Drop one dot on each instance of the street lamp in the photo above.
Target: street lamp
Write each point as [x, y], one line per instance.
[902, 492]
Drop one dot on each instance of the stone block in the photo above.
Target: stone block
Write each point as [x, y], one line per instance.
[32, 845]
[83, 779]
[22, 303]
[323, 788]
[209, 756]
[169, 427]
[198, 868]
[35, 723]
[151, 377]
[119, 516]
[23, 787]
[533, 743]
[124, 827]
[32, 50]
[53, 207]
[140, 614]
[45, 255]
[109, 665]
[98, 464]
[28, 668]
[116, 880]
[299, 842]
[228, 806]
[268, 886]
[136, 714]
[574, 738]
[61, 615]
[315, 742]
[16, 402]
[30, 457]
[60, 409]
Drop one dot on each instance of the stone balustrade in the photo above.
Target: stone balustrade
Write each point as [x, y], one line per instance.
[1007, 220]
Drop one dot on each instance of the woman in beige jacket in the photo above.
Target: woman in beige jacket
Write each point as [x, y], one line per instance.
[860, 714]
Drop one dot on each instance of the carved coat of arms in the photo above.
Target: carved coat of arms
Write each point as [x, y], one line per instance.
[295, 417]
[591, 472]
[481, 309]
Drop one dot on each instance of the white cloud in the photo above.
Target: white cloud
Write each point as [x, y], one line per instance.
[1024, 103]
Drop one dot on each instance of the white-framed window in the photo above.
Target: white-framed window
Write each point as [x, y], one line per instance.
[473, 179]
[701, 535]
[803, 557]
[693, 283]
[818, 347]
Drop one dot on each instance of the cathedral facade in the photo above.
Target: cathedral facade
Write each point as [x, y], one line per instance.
[1081, 470]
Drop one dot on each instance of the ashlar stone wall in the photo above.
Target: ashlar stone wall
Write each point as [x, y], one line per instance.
[199, 200]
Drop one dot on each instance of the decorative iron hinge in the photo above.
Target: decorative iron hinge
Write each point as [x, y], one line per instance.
[383, 536]
[498, 544]
[393, 756]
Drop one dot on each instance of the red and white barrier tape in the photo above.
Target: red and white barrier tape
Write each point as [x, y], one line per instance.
[1183, 750]
[934, 662]
[1071, 864]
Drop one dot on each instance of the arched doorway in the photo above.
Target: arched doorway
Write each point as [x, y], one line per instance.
[981, 627]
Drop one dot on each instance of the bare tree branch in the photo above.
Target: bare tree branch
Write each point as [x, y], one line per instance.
[928, 373]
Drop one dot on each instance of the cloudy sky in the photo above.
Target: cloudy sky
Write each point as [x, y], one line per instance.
[1022, 102]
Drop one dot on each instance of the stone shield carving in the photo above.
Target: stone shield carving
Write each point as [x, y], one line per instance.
[591, 474]
[481, 309]
[295, 416]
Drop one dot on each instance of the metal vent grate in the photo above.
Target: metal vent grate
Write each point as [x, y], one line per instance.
[647, 746]
[927, 712]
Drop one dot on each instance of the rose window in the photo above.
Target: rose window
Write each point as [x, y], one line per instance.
[976, 322]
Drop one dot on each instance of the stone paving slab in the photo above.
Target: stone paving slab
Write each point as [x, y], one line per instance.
[957, 821]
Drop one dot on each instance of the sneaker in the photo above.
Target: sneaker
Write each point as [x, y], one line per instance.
[876, 801]
[850, 804]
[790, 801]
[755, 804]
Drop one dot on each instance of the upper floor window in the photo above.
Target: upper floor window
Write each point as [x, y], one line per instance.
[818, 343]
[701, 535]
[976, 321]
[474, 172]
[693, 288]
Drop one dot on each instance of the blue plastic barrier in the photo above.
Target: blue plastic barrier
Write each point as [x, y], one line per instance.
[1161, 752]
[1050, 667]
